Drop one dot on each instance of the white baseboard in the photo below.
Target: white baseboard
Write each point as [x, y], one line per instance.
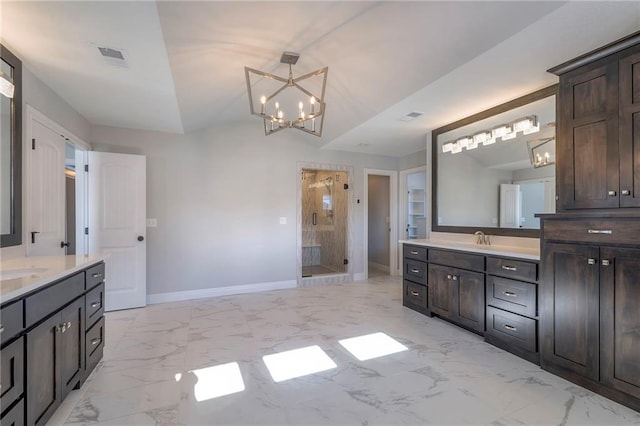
[204, 293]
[358, 276]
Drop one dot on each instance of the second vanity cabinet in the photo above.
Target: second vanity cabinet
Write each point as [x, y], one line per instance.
[495, 296]
[45, 353]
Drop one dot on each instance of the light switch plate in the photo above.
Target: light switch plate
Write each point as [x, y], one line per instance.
[152, 222]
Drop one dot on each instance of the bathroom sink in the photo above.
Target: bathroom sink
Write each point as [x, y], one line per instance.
[12, 274]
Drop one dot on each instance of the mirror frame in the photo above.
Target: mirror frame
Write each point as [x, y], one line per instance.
[521, 101]
[14, 238]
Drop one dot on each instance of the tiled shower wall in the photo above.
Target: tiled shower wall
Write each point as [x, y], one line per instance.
[330, 231]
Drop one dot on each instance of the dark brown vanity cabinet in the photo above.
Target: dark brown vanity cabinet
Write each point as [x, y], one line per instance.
[454, 293]
[512, 306]
[589, 316]
[45, 355]
[598, 129]
[414, 284]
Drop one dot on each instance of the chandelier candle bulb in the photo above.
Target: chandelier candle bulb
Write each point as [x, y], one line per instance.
[263, 101]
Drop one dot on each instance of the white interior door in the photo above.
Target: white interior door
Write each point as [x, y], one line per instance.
[46, 192]
[117, 225]
[510, 205]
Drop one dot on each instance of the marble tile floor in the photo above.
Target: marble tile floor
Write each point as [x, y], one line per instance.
[156, 356]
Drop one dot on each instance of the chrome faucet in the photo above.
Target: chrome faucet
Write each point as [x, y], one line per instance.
[482, 238]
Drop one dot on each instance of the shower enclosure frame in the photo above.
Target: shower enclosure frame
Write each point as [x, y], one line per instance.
[338, 277]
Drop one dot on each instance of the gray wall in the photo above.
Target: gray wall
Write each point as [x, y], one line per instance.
[378, 219]
[218, 195]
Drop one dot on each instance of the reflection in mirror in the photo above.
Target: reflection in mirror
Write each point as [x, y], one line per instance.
[10, 149]
[494, 171]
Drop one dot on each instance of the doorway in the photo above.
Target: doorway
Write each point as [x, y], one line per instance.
[380, 220]
[413, 206]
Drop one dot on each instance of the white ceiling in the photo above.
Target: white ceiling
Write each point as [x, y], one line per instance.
[386, 59]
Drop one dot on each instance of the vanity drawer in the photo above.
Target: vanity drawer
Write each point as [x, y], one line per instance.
[43, 303]
[11, 321]
[457, 259]
[414, 296]
[516, 269]
[94, 305]
[514, 296]
[415, 252]
[95, 275]
[415, 271]
[94, 344]
[512, 328]
[613, 231]
[11, 373]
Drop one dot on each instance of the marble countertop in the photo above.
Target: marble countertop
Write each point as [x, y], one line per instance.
[23, 275]
[498, 250]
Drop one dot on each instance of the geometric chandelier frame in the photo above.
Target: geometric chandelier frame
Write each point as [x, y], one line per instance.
[274, 119]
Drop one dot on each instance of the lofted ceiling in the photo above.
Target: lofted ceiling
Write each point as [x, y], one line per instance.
[185, 59]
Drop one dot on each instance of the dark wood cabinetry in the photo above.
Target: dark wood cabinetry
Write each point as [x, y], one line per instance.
[414, 285]
[591, 250]
[598, 143]
[46, 354]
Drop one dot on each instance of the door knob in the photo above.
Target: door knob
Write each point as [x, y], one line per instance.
[63, 244]
[140, 238]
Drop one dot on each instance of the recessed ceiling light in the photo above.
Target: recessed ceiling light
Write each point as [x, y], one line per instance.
[411, 116]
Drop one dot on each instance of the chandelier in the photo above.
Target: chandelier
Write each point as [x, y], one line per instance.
[283, 102]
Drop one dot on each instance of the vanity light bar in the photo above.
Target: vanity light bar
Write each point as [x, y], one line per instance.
[526, 125]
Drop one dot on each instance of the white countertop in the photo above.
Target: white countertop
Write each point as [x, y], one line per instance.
[498, 250]
[39, 271]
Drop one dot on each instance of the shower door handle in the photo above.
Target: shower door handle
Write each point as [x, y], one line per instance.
[314, 219]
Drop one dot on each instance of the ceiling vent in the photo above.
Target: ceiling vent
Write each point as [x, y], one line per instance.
[411, 116]
[113, 56]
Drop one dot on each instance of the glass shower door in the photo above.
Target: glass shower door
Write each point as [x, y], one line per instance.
[324, 222]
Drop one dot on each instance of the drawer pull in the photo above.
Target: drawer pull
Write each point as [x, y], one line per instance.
[510, 327]
[605, 262]
[415, 293]
[509, 294]
[600, 231]
[591, 261]
[509, 268]
[415, 271]
[415, 253]
[1, 328]
[95, 304]
[97, 275]
[95, 341]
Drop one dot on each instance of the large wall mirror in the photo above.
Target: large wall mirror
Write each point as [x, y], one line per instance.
[495, 170]
[10, 149]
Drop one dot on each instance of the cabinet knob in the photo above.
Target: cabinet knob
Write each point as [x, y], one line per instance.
[625, 192]
[448, 276]
[454, 277]
[611, 193]
[591, 261]
[605, 262]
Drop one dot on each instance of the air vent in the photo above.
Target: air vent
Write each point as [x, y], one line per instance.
[411, 116]
[113, 56]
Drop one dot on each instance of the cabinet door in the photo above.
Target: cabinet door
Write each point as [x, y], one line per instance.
[72, 337]
[587, 148]
[43, 373]
[441, 291]
[570, 313]
[469, 308]
[630, 131]
[620, 320]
